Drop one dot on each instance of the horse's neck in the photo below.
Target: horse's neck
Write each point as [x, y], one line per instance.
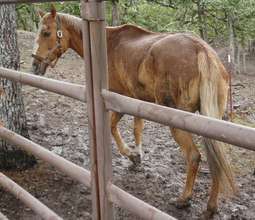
[74, 27]
[75, 33]
[76, 41]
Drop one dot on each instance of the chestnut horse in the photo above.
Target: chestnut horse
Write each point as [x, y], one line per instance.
[175, 70]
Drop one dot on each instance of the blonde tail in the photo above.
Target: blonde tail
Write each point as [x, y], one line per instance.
[213, 99]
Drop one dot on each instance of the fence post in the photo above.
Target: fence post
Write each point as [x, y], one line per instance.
[94, 44]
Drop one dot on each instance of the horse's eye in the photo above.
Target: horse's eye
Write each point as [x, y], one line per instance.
[46, 33]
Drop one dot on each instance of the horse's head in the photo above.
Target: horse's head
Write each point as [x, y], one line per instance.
[51, 42]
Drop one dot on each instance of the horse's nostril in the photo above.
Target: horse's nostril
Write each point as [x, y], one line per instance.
[34, 67]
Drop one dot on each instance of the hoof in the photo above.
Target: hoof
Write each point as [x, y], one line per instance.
[208, 214]
[135, 155]
[181, 203]
[135, 158]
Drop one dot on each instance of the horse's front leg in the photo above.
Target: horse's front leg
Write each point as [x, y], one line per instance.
[137, 152]
[124, 149]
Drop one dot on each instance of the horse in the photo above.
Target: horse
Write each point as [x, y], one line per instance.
[175, 70]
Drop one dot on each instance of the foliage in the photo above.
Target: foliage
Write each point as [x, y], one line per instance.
[208, 18]
[27, 18]
[147, 15]
[27, 13]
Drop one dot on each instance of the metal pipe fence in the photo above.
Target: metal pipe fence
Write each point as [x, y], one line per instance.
[208, 127]
[3, 217]
[71, 90]
[74, 171]
[100, 101]
[33, 203]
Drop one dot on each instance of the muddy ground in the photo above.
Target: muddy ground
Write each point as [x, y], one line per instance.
[60, 125]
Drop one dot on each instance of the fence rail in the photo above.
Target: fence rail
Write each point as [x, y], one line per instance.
[228, 132]
[33, 203]
[134, 205]
[71, 90]
[81, 175]
[76, 172]
[3, 217]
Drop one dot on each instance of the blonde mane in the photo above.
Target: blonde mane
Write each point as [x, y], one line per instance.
[71, 20]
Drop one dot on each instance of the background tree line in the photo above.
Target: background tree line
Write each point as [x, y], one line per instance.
[224, 23]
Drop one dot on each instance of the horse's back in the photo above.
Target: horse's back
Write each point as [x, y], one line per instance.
[156, 67]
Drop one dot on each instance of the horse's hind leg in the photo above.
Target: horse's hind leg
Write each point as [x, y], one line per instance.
[212, 204]
[192, 157]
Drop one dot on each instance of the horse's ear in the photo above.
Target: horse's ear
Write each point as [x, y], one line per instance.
[53, 11]
[40, 13]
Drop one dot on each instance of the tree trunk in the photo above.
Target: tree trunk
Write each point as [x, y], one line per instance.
[202, 20]
[12, 112]
[115, 13]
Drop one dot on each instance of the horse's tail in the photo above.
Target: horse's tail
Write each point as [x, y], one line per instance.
[213, 101]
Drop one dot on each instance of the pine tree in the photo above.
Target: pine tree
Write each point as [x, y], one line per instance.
[12, 111]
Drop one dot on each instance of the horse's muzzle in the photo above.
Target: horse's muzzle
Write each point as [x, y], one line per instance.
[38, 68]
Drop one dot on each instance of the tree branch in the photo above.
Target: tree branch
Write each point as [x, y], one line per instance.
[170, 4]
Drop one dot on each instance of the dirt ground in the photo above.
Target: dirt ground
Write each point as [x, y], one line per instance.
[60, 125]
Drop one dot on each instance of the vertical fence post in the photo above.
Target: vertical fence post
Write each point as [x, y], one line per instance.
[95, 56]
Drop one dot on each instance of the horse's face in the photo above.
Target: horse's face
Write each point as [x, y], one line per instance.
[50, 42]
